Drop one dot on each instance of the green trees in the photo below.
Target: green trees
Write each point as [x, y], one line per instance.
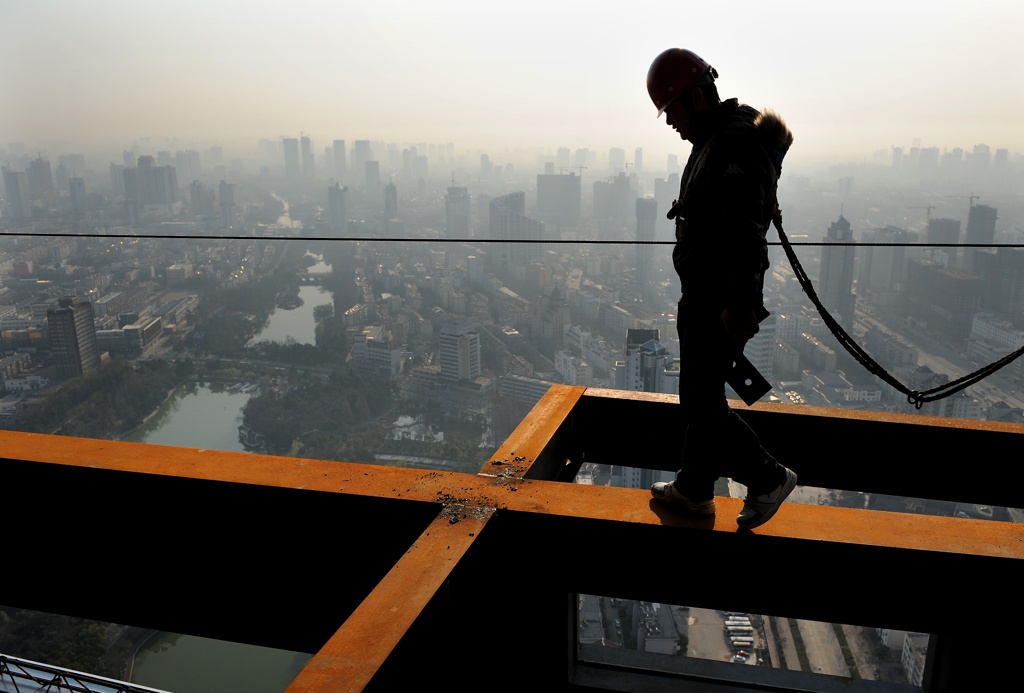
[104, 404]
[330, 417]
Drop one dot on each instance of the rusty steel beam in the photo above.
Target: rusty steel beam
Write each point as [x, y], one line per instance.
[408, 535]
[875, 452]
[351, 658]
[539, 448]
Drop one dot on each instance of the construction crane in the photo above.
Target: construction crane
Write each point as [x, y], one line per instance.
[972, 197]
[928, 216]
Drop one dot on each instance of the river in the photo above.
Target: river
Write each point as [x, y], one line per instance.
[187, 664]
[196, 416]
[298, 324]
[207, 416]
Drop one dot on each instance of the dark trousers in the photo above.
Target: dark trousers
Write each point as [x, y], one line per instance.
[717, 442]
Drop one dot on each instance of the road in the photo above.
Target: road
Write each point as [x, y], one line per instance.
[822, 647]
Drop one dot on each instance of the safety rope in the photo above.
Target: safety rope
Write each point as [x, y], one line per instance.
[915, 397]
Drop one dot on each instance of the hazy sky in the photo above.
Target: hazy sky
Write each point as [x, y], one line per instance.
[850, 78]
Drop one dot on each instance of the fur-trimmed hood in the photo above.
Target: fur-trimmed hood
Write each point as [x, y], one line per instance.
[775, 136]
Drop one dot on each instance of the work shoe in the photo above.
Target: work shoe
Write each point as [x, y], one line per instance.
[667, 492]
[759, 509]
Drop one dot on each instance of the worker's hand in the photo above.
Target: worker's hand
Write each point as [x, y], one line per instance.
[741, 324]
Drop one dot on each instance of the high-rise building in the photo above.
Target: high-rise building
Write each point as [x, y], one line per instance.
[459, 351]
[1002, 273]
[616, 160]
[646, 221]
[666, 191]
[202, 200]
[614, 205]
[117, 178]
[835, 282]
[390, 201]
[188, 164]
[308, 162]
[292, 169]
[371, 171]
[944, 297]
[73, 163]
[945, 231]
[16, 189]
[149, 184]
[509, 223]
[340, 161]
[456, 212]
[646, 363]
[883, 269]
[361, 153]
[563, 158]
[40, 179]
[638, 161]
[79, 201]
[559, 199]
[981, 230]
[337, 203]
[226, 195]
[73, 337]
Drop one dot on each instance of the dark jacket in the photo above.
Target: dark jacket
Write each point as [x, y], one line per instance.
[727, 199]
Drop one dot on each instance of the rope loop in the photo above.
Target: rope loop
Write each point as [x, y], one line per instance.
[915, 397]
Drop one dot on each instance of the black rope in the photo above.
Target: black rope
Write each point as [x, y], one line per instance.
[916, 397]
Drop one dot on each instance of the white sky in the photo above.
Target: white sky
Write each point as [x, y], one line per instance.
[850, 78]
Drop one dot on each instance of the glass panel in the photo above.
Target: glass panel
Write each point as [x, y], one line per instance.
[746, 639]
[165, 661]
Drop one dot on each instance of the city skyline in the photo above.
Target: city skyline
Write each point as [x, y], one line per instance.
[105, 74]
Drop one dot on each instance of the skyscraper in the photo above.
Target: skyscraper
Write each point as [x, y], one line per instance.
[361, 153]
[337, 203]
[943, 231]
[16, 188]
[559, 199]
[73, 337]
[40, 178]
[509, 223]
[981, 229]
[883, 269]
[340, 161]
[308, 162]
[76, 187]
[456, 212]
[390, 201]
[459, 351]
[646, 221]
[616, 160]
[290, 145]
[372, 178]
[835, 282]
[226, 195]
[645, 364]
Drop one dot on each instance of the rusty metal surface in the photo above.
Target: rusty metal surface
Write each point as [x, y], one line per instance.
[557, 530]
[349, 660]
[502, 484]
[534, 449]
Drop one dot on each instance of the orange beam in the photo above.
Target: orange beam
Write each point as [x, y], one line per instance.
[501, 490]
[354, 654]
[527, 444]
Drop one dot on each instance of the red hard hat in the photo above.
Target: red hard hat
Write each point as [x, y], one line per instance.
[672, 73]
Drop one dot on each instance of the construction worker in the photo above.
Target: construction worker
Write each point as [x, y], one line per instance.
[727, 200]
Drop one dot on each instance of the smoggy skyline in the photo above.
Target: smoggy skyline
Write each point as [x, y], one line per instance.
[850, 81]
